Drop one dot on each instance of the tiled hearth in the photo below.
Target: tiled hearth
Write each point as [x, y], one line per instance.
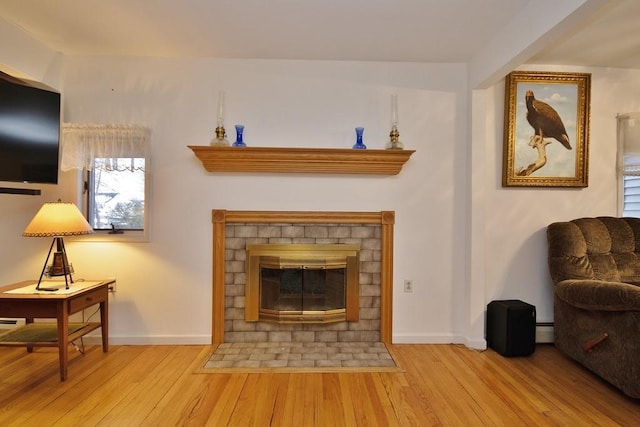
[233, 230]
[271, 355]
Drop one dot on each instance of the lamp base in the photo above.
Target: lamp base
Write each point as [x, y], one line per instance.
[60, 265]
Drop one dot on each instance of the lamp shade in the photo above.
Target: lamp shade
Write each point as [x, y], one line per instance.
[56, 219]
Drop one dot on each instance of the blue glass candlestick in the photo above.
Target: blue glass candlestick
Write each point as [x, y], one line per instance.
[239, 142]
[359, 145]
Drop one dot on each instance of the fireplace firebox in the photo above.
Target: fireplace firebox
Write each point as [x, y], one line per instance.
[292, 283]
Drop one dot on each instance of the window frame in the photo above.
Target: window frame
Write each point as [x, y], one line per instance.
[98, 235]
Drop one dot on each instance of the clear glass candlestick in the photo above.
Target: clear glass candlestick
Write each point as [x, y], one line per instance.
[394, 136]
[394, 111]
[394, 140]
[220, 140]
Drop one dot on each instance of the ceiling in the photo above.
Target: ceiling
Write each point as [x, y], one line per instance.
[611, 38]
[358, 30]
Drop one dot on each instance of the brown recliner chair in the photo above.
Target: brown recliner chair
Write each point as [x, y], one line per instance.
[595, 266]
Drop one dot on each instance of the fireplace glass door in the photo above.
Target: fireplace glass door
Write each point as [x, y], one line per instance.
[300, 289]
[310, 283]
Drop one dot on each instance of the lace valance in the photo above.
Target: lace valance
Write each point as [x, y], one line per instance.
[82, 143]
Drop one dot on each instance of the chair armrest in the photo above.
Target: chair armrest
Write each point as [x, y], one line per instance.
[599, 295]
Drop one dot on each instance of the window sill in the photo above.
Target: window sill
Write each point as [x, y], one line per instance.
[104, 236]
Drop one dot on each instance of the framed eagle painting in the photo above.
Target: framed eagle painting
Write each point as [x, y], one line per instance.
[546, 131]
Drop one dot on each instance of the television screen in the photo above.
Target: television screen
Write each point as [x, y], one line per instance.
[29, 131]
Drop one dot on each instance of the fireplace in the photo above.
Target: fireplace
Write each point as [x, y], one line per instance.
[302, 283]
[233, 231]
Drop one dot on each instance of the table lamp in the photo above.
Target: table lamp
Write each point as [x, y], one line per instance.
[57, 219]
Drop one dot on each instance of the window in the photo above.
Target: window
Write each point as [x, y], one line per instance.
[115, 163]
[629, 164]
[116, 194]
[631, 195]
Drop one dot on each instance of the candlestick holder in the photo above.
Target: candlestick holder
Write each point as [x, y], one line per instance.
[359, 145]
[239, 141]
[394, 140]
[220, 140]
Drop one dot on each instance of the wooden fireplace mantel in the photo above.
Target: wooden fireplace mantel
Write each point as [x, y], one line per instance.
[301, 160]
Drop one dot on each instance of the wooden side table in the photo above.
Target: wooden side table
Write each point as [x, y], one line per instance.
[19, 301]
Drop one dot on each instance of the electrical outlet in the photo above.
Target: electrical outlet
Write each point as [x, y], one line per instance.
[408, 285]
[112, 287]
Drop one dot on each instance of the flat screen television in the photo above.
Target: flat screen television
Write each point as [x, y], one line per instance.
[29, 131]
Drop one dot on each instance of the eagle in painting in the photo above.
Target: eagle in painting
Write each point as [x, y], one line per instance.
[546, 121]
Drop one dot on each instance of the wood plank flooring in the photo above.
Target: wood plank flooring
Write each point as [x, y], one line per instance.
[441, 385]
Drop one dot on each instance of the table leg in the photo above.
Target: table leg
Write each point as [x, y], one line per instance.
[27, 321]
[104, 324]
[63, 337]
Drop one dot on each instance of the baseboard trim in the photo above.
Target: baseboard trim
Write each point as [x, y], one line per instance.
[427, 339]
[11, 323]
[146, 340]
[544, 333]
[477, 344]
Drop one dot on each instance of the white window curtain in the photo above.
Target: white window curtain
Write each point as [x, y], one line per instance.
[629, 164]
[82, 143]
[629, 144]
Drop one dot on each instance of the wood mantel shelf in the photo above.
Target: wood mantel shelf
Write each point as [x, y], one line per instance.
[301, 160]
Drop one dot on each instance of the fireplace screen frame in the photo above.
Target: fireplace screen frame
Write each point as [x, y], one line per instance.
[312, 256]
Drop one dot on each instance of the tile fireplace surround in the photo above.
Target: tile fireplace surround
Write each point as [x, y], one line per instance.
[233, 230]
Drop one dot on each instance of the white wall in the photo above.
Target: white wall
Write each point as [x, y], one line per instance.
[516, 218]
[24, 57]
[461, 237]
[164, 286]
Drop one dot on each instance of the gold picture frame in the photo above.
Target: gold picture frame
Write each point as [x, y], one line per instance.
[546, 129]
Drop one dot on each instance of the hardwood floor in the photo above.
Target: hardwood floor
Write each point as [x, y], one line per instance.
[440, 385]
